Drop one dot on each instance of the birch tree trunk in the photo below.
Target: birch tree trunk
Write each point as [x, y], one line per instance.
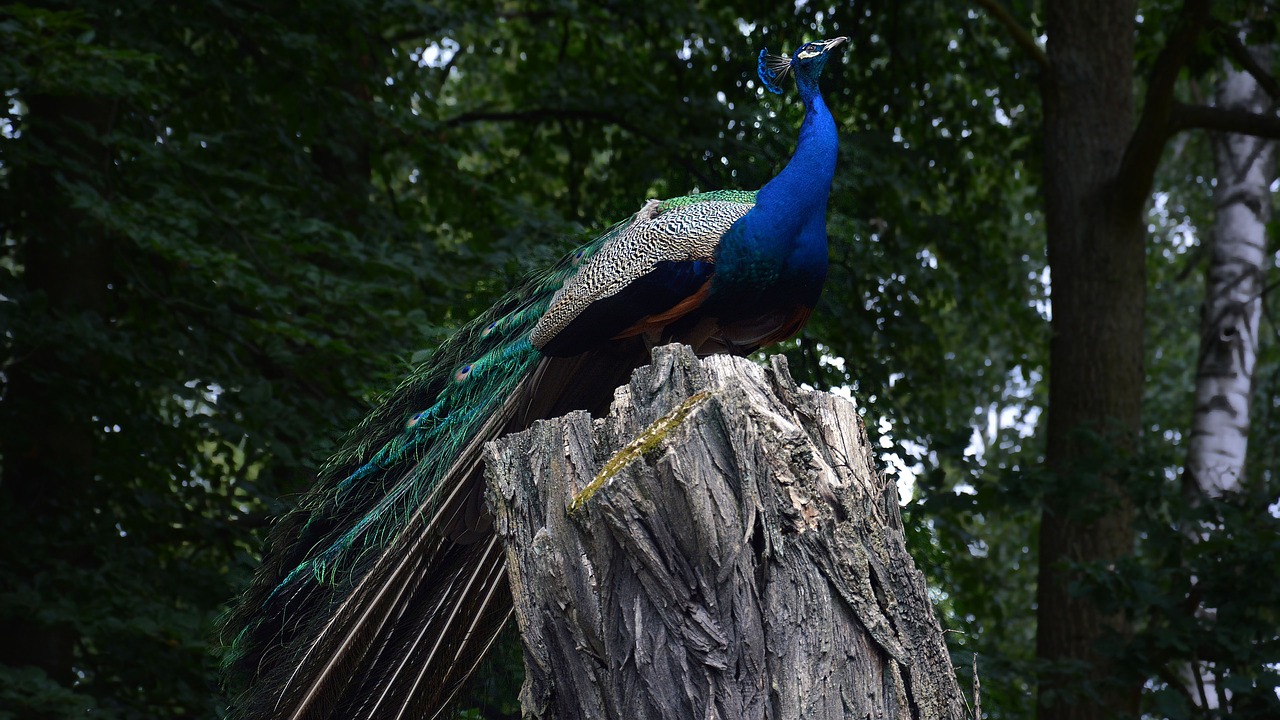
[719, 546]
[1245, 168]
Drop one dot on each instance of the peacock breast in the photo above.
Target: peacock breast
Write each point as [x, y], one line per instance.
[764, 266]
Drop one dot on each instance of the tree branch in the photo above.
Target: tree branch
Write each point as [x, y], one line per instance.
[1146, 146]
[1238, 52]
[1020, 36]
[1242, 122]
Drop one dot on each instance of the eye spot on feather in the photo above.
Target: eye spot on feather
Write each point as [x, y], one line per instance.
[577, 258]
[463, 373]
[489, 329]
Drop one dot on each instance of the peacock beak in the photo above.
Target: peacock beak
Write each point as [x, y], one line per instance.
[833, 43]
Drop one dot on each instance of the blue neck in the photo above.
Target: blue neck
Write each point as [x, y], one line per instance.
[776, 255]
[805, 182]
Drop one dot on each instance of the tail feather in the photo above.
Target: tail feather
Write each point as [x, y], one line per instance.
[454, 639]
[328, 666]
[385, 615]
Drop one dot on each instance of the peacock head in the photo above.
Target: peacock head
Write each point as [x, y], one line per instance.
[807, 63]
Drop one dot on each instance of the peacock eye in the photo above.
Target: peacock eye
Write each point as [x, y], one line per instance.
[463, 372]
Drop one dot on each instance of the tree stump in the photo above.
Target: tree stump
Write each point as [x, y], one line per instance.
[719, 546]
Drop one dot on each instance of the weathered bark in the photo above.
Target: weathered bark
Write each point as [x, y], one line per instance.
[719, 546]
[1245, 168]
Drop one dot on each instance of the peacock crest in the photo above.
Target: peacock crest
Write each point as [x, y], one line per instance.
[772, 69]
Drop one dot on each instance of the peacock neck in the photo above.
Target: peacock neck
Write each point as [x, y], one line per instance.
[777, 253]
[806, 180]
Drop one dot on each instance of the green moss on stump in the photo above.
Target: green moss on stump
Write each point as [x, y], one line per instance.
[644, 442]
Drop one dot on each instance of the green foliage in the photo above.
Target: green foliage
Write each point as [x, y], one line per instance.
[197, 294]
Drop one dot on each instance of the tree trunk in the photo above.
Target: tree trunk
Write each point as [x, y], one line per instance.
[1096, 255]
[719, 546]
[1245, 168]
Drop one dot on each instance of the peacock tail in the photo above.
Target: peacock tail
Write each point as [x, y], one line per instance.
[342, 618]
[382, 591]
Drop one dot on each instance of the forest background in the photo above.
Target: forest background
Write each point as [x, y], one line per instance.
[228, 225]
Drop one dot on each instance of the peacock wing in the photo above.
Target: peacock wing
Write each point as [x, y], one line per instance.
[654, 271]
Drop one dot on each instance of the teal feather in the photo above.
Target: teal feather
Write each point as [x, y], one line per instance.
[380, 593]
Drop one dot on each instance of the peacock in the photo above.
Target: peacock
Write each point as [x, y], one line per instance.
[381, 592]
